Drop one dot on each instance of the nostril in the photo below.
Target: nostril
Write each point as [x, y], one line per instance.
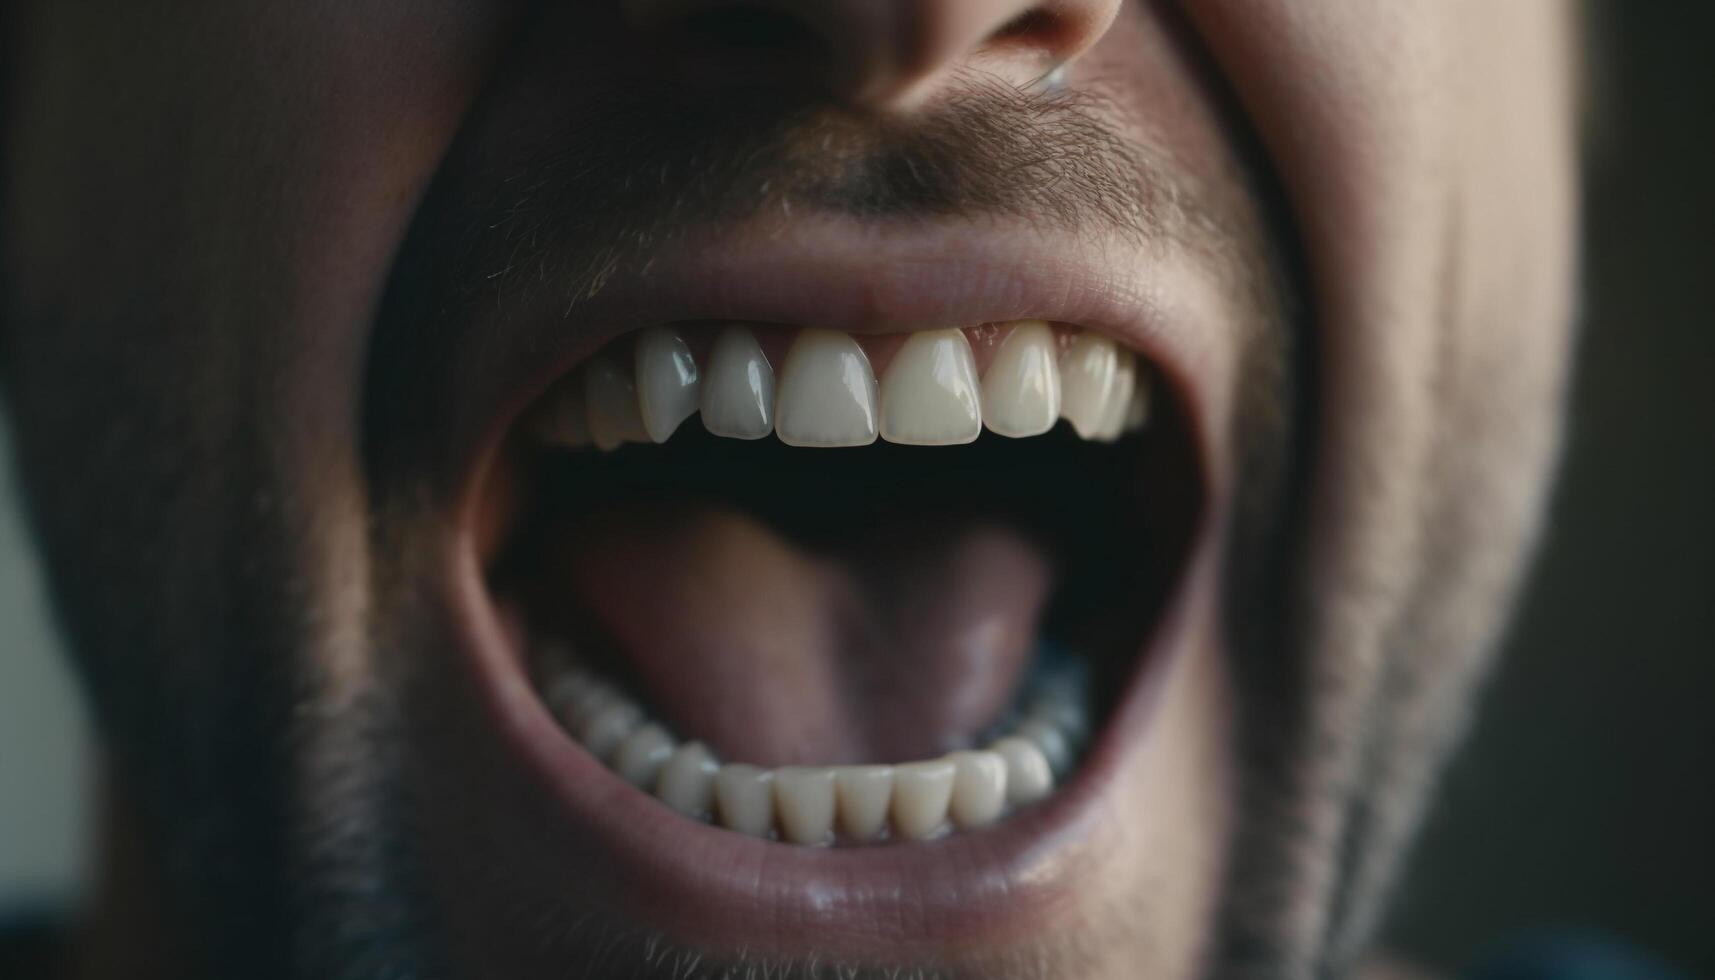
[1048, 32]
[875, 54]
[1031, 27]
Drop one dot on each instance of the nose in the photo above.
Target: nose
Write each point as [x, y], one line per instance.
[889, 55]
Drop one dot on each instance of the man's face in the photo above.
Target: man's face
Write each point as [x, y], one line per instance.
[323, 319]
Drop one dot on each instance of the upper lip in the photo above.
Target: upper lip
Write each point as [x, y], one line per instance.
[709, 885]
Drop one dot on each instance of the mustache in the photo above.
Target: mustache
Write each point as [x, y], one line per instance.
[628, 170]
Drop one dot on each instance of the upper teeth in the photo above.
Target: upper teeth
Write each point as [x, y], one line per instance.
[929, 396]
[1021, 394]
[738, 397]
[828, 394]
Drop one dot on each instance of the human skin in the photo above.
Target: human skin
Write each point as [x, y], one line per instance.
[203, 211]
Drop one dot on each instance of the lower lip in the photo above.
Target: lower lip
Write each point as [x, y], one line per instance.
[708, 887]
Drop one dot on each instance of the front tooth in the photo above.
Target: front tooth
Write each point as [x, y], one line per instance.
[642, 754]
[864, 793]
[979, 788]
[1051, 740]
[921, 793]
[804, 797]
[827, 392]
[929, 397]
[1028, 777]
[666, 381]
[611, 395]
[744, 796]
[1087, 378]
[606, 727]
[738, 388]
[687, 781]
[1119, 400]
[1021, 391]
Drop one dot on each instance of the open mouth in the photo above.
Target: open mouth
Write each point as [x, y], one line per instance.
[849, 591]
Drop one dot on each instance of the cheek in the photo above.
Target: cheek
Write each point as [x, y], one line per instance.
[209, 203]
[1152, 61]
[202, 209]
[246, 163]
[1427, 159]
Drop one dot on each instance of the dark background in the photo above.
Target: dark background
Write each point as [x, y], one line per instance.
[1585, 797]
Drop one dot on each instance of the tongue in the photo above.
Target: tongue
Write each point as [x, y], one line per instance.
[895, 649]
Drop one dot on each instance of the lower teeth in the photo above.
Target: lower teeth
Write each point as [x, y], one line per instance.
[967, 789]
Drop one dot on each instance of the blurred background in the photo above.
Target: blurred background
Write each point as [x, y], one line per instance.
[1585, 796]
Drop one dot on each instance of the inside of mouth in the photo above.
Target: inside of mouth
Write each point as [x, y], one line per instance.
[812, 615]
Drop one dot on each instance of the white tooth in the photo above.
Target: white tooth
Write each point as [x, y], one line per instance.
[929, 397]
[921, 792]
[611, 395]
[580, 698]
[738, 388]
[642, 754]
[1066, 715]
[804, 798]
[563, 694]
[1087, 378]
[1137, 416]
[744, 795]
[1051, 740]
[827, 392]
[687, 781]
[605, 728]
[564, 418]
[1061, 701]
[864, 793]
[666, 381]
[1028, 777]
[979, 788]
[1021, 391]
[1119, 400]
